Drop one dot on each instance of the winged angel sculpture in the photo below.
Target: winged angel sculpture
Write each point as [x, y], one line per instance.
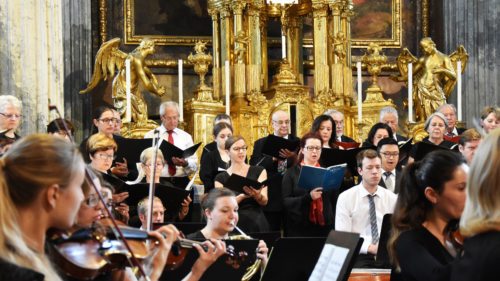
[110, 61]
[434, 76]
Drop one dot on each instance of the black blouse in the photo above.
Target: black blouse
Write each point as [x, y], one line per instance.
[211, 164]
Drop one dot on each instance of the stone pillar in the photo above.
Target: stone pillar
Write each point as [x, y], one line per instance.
[31, 56]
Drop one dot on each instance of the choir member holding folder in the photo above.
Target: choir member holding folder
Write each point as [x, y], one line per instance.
[276, 153]
[216, 160]
[324, 126]
[309, 213]
[250, 202]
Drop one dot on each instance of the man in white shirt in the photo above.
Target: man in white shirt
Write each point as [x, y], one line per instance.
[389, 116]
[338, 117]
[168, 131]
[388, 150]
[361, 208]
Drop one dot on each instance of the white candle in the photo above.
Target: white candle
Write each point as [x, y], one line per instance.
[410, 92]
[459, 90]
[181, 97]
[360, 95]
[128, 109]
[228, 86]
[283, 46]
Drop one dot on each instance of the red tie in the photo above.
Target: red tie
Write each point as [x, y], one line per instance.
[171, 168]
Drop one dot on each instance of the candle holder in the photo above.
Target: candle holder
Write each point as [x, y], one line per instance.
[374, 60]
[201, 62]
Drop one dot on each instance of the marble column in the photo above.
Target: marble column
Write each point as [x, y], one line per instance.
[31, 56]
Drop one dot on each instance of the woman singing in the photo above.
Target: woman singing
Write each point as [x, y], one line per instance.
[307, 213]
[430, 202]
[250, 203]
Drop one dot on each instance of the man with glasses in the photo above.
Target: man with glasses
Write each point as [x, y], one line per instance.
[388, 150]
[10, 117]
[275, 168]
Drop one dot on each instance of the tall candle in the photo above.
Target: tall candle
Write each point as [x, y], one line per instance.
[459, 90]
[128, 109]
[410, 92]
[360, 95]
[181, 97]
[283, 46]
[228, 86]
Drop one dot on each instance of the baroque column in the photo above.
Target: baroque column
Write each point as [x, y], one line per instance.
[254, 63]
[321, 68]
[216, 68]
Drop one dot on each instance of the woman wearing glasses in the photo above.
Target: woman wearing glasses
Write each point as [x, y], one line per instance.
[10, 117]
[146, 170]
[250, 203]
[105, 122]
[308, 213]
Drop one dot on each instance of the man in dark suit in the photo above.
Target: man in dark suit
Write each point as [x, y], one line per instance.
[338, 117]
[389, 116]
[450, 112]
[388, 150]
[275, 168]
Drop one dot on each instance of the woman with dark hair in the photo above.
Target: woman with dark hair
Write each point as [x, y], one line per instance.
[104, 122]
[480, 221]
[377, 132]
[59, 126]
[430, 202]
[250, 203]
[307, 213]
[324, 126]
[217, 160]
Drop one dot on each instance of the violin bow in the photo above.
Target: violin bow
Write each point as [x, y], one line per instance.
[152, 176]
[133, 261]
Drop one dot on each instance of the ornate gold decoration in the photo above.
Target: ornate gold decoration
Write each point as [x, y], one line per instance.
[103, 23]
[201, 62]
[110, 62]
[374, 60]
[434, 76]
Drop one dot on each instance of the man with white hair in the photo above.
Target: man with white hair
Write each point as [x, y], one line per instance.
[389, 116]
[450, 112]
[178, 173]
[10, 117]
[338, 117]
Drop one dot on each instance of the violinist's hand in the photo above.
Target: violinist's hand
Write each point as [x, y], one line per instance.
[185, 207]
[262, 252]
[123, 210]
[166, 236]
[119, 197]
[316, 193]
[120, 169]
[216, 248]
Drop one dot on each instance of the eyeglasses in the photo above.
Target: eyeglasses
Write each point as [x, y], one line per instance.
[92, 201]
[158, 164]
[390, 154]
[11, 116]
[104, 156]
[240, 149]
[313, 148]
[109, 120]
[281, 122]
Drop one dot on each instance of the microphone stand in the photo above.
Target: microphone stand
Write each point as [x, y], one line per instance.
[152, 176]
[133, 261]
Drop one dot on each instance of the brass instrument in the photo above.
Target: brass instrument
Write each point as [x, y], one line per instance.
[251, 270]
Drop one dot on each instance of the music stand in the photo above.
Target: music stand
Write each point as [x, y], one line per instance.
[382, 260]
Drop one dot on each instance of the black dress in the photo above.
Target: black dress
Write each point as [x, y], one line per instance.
[421, 257]
[481, 259]
[297, 202]
[251, 215]
[446, 144]
[211, 164]
[10, 271]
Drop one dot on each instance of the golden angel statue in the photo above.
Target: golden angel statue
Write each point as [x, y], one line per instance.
[110, 61]
[434, 76]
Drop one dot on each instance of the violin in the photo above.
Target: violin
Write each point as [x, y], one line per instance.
[87, 253]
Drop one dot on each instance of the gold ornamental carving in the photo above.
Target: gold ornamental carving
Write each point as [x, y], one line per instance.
[201, 62]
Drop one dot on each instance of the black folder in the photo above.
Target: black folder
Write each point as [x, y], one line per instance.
[225, 268]
[169, 150]
[347, 240]
[273, 144]
[171, 197]
[331, 157]
[423, 148]
[293, 259]
[404, 150]
[131, 150]
[114, 181]
[382, 260]
[236, 183]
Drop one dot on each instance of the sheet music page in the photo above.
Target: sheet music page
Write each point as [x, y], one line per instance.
[330, 263]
